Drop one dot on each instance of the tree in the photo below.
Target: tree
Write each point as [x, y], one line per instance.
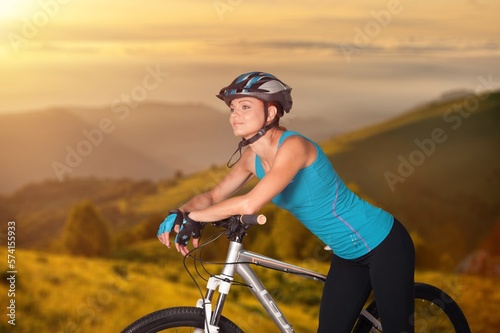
[86, 232]
[146, 229]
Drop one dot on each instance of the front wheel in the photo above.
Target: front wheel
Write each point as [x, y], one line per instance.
[179, 319]
[435, 311]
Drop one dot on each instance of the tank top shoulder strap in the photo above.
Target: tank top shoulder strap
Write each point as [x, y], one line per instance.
[285, 135]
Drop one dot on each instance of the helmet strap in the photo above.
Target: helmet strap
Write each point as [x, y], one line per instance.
[246, 142]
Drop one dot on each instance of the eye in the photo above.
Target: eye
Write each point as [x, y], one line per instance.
[245, 107]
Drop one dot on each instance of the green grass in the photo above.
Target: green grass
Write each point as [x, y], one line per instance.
[57, 293]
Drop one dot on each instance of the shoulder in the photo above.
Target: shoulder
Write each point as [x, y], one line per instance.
[297, 146]
[294, 136]
[295, 140]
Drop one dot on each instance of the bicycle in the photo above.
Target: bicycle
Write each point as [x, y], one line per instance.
[435, 310]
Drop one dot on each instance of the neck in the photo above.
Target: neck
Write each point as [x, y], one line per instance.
[249, 142]
[267, 147]
[245, 142]
[267, 143]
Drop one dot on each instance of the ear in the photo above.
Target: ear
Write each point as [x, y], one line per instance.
[272, 112]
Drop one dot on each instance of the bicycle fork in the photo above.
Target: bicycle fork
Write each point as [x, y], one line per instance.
[223, 283]
[212, 319]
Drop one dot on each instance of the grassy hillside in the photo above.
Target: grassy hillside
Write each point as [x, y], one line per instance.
[41, 210]
[57, 293]
[436, 168]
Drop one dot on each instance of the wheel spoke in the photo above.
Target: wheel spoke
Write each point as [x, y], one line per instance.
[430, 318]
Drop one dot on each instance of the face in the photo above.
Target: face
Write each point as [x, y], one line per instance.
[247, 116]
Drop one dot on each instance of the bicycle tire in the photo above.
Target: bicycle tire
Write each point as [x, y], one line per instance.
[432, 299]
[175, 318]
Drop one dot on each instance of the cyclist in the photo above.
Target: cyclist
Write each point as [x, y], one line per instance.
[371, 249]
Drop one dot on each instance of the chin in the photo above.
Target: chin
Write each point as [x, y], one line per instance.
[238, 132]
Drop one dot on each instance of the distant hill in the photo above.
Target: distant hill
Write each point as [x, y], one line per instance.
[152, 141]
[437, 168]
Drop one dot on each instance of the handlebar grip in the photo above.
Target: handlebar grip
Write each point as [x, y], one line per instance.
[253, 219]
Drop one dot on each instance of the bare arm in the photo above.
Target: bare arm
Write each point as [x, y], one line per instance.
[294, 154]
[231, 183]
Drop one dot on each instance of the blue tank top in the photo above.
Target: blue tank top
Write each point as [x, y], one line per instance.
[319, 199]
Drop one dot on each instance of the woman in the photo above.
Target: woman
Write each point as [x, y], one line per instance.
[371, 249]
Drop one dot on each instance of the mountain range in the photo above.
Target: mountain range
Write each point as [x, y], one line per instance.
[151, 141]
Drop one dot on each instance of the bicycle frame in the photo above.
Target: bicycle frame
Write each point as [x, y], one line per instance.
[238, 261]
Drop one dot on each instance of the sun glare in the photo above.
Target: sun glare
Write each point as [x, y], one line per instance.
[15, 9]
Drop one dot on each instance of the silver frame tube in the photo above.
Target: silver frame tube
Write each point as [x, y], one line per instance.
[238, 262]
[247, 258]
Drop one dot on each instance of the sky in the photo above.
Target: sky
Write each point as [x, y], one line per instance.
[354, 62]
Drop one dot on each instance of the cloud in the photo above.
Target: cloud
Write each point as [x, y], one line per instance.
[430, 40]
[404, 47]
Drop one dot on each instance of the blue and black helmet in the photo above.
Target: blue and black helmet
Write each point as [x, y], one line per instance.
[263, 86]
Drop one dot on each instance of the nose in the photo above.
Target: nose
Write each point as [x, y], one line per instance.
[235, 113]
[232, 116]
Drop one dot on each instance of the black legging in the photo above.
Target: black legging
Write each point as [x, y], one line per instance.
[388, 270]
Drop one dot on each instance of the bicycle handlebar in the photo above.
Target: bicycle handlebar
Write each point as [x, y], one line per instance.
[237, 225]
[252, 219]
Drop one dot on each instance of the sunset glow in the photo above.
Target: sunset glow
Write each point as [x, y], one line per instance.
[12, 9]
[87, 52]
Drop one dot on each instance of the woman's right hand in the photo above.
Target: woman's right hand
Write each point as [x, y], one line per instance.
[190, 228]
[173, 220]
